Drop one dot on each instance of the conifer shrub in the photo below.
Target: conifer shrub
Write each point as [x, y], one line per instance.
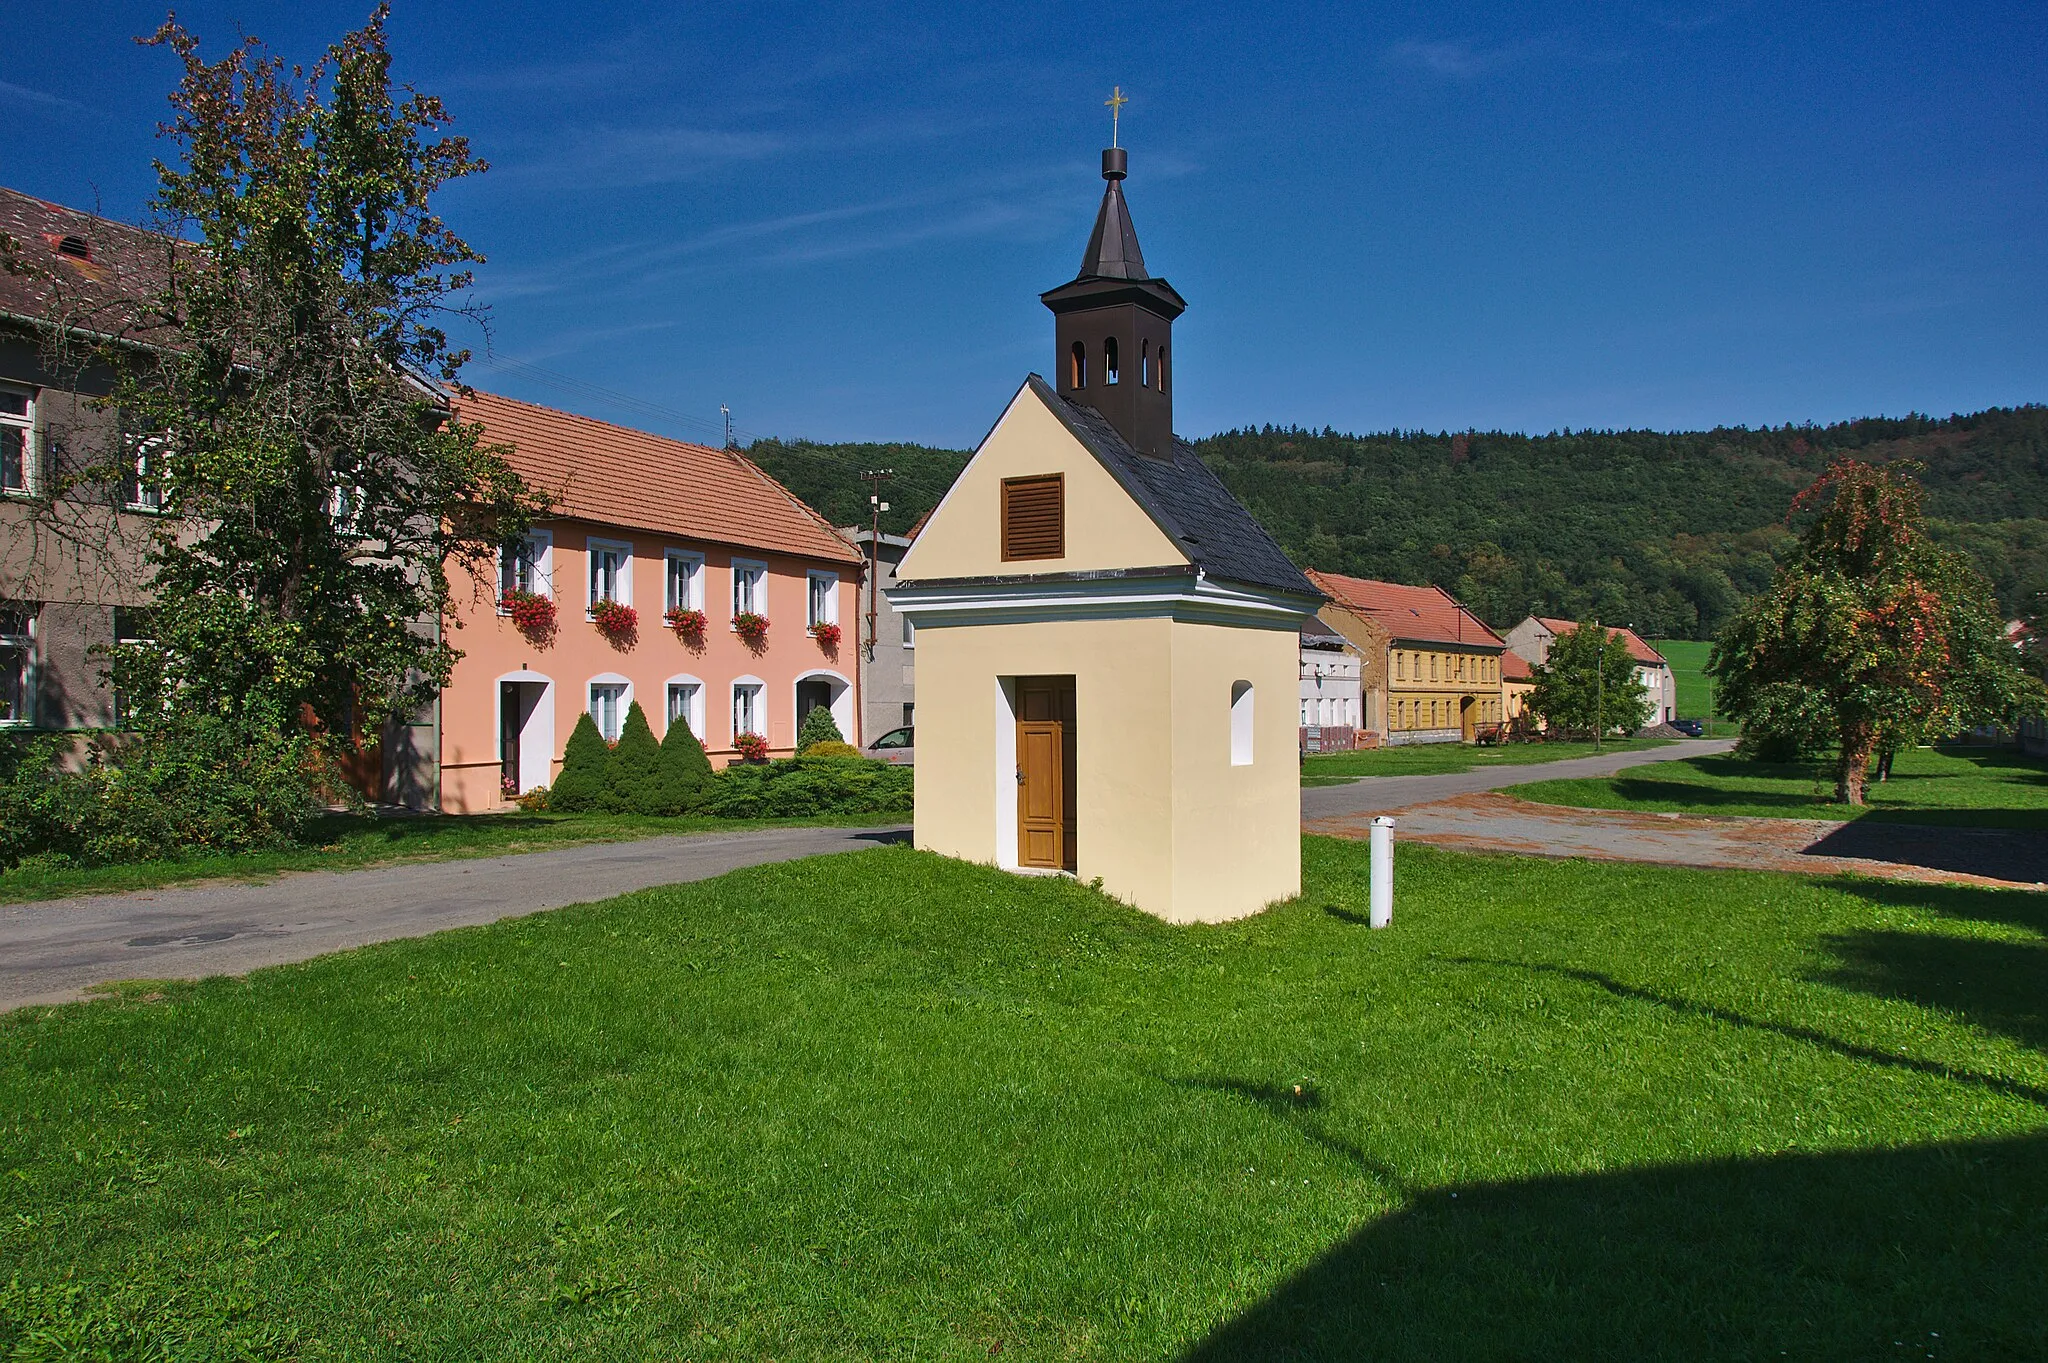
[817, 728]
[633, 783]
[684, 772]
[586, 771]
[831, 748]
[798, 787]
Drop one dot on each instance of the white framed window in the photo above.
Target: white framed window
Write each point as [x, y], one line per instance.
[683, 583]
[909, 632]
[1240, 724]
[144, 485]
[821, 599]
[611, 572]
[17, 663]
[610, 696]
[132, 625]
[17, 440]
[749, 587]
[686, 704]
[527, 565]
[749, 709]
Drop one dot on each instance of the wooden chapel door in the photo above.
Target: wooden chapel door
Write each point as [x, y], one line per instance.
[1045, 772]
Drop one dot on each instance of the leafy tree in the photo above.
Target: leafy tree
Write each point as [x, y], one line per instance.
[685, 771]
[1871, 629]
[633, 780]
[316, 494]
[585, 778]
[1589, 685]
[818, 727]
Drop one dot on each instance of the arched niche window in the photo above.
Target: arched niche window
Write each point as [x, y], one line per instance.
[1240, 724]
[1162, 369]
[1077, 366]
[1109, 360]
[1144, 364]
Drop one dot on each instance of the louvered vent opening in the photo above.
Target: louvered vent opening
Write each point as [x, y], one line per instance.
[1035, 517]
[76, 246]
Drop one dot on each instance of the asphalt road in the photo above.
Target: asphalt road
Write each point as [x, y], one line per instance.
[51, 952]
[1380, 794]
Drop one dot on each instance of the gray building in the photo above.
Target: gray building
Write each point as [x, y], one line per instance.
[71, 547]
[888, 653]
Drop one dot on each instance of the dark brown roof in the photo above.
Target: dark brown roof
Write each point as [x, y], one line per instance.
[78, 270]
[1637, 649]
[1426, 615]
[614, 475]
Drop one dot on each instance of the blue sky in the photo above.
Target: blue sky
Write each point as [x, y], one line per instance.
[836, 219]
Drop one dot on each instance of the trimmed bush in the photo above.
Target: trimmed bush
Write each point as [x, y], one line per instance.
[800, 786]
[817, 728]
[633, 781]
[685, 771]
[831, 748]
[586, 771]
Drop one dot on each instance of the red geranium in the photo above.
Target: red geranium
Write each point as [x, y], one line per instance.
[688, 624]
[614, 620]
[750, 626]
[532, 614]
[826, 634]
[752, 747]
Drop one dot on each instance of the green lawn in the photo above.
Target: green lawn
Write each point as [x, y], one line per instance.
[1688, 659]
[1431, 759]
[882, 1105]
[1970, 787]
[342, 842]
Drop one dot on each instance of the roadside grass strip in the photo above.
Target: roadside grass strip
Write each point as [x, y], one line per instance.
[1958, 786]
[886, 1105]
[1436, 759]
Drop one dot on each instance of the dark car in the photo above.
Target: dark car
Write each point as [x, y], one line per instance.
[896, 747]
[1691, 728]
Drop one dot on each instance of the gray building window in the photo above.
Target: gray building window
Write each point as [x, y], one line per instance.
[17, 439]
[17, 663]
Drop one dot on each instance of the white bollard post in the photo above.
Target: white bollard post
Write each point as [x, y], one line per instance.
[1382, 872]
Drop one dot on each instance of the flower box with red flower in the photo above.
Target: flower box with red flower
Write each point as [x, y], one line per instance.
[826, 633]
[688, 624]
[751, 627]
[614, 619]
[751, 747]
[532, 614]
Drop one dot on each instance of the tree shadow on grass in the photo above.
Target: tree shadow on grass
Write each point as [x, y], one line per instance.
[1999, 986]
[1649, 791]
[1937, 1251]
[2010, 1088]
[1967, 903]
[1897, 838]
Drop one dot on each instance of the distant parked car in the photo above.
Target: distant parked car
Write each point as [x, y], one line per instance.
[1691, 728]
[897, 747]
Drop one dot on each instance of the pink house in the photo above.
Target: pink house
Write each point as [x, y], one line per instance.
[652, 525]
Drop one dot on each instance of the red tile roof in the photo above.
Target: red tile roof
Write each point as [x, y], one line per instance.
[1514, 667]
[1421, 614]
[614, 475]
[1637, 649]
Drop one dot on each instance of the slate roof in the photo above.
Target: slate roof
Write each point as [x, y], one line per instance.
[614, 475]
[1428, 615]
[1113, 249]
[1637, 649]
[100, 290]
[1187, 500]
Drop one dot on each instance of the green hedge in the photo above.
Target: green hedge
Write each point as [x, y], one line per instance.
[799, 786]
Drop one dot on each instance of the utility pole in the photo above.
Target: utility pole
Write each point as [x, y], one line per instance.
[876, 506]
[726, 412]
[1599, 684]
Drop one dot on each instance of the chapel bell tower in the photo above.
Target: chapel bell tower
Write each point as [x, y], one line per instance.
[1113, 326]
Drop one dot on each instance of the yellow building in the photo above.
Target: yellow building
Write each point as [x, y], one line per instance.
[1434, 669]
[1107, 641]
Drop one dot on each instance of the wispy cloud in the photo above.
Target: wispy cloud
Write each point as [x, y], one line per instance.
[21, 94]
[1459, 60]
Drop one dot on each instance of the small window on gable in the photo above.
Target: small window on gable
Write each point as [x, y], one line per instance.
[1077, 366]
[1034, 517]
[1240, 724]
[1109, 360]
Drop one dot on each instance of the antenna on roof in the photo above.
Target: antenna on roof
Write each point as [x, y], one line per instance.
[726, 412]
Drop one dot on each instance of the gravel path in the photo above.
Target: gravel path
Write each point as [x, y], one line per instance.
[51, 952]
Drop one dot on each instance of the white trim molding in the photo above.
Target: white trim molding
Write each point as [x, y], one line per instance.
[1187, 596]
[694, 715]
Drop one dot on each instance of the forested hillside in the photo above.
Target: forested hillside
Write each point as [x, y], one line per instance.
[1666, 532]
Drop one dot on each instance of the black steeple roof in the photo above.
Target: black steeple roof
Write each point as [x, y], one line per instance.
[1113, 251]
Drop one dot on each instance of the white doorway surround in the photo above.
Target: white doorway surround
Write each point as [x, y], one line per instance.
[526, 727]
[835, 693]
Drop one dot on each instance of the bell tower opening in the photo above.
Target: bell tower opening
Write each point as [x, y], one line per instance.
[1115, 303]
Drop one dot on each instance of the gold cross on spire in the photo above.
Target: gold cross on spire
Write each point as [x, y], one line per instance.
[1115, 104]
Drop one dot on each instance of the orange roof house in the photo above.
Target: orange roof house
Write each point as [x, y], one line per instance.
[1432, 670]
[651, 526]
[1532, 639]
